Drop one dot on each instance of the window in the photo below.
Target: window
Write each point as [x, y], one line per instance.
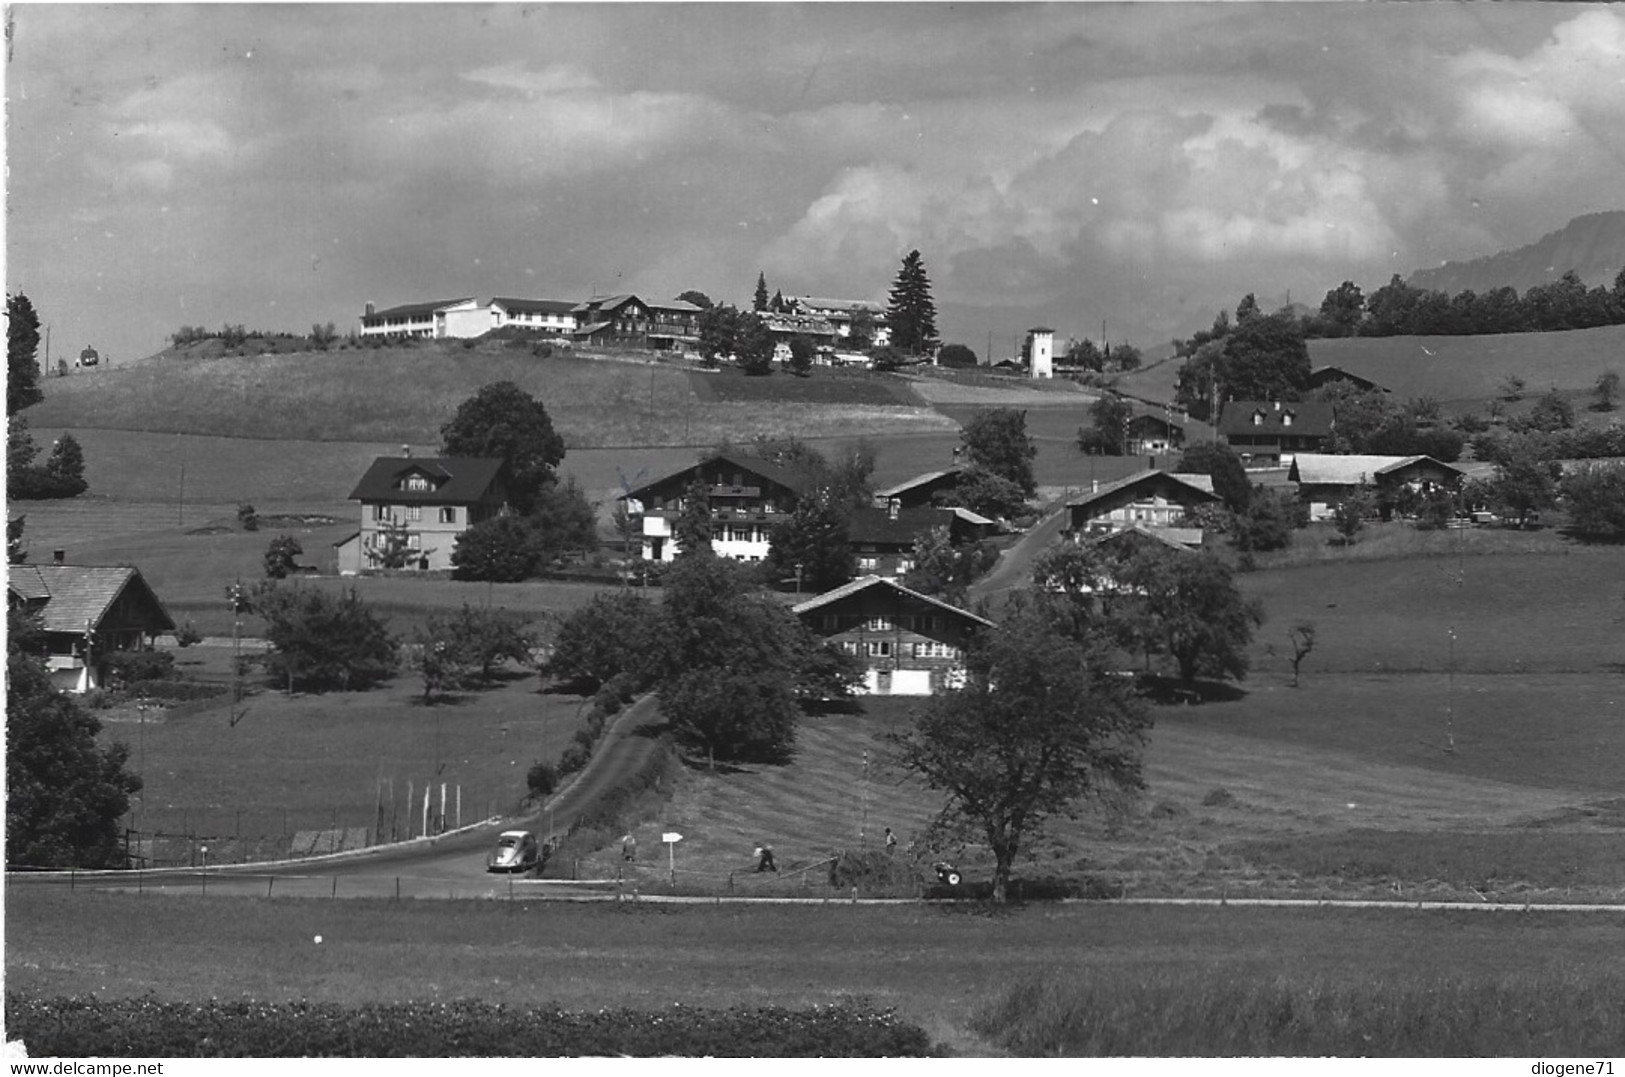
[933, 649]
[878, 624]
[415, 482]
[867, 564]
[414, 512]
[878, 648]
[414, 542]
[380, 513]
[904, 565]
[448, 515]
[849, 646]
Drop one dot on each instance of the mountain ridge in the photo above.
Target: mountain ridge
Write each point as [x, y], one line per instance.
[1592, 245]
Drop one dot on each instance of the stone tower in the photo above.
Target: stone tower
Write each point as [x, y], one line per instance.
[1043, 352]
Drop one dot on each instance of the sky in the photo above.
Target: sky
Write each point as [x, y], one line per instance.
[1135, 166]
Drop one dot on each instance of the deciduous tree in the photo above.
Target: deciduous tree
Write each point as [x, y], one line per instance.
[1595, 497]
[996, 439]
[321, 641]
[503, 549]
[504, 421]
[612, 635]
[802, 351]
[813, 545]
[1107, 434]
[65, 791]
[282, 556]
[1198, 615]
[1039, 726]
[1220, 462]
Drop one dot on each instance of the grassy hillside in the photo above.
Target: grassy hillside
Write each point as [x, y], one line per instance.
[1462, 372]
[1456, 369]
[405, 394]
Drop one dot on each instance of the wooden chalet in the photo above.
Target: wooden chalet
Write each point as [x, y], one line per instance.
[630, 321]
[1154, 499]
[910, 644]
[747, 498]
[1325, 479]
[883, 539]
[920, 490]
[89, 613]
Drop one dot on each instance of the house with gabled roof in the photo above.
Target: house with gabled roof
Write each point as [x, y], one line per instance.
[1324, 479]
[1153, 499]
[883, 539]
[630, 321]
[840, 313]
[1269, 433]
[910, 643]
[746, 498]
[89, 613]
[1322, 376]
[921, 489]
[420, 504]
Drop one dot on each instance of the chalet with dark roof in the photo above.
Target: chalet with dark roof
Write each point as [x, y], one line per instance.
[910, 644]
[1269, 433]
[746, 497]
[89, 613]
[1322, 376]
[1326, 479]
[883, 539]
[920, 490]
[1154, 500]
[423, 502]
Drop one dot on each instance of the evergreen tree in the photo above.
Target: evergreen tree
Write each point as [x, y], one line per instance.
[759, 304]
[22, 344]
[692, 529]
[911, 313]
[65, 467]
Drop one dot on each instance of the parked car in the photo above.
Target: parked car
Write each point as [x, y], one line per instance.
[515, 850]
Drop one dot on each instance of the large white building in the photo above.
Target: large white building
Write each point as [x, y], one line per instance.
[467, 318]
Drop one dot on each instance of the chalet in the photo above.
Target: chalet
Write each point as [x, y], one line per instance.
[1117, 547]
[1268, 433]
[630, 321]
[417, 506]
[920, 490]
[1154, 499]
[89, 613]
[883, 539]
[1152, 434]
[840, 313]
[746, 498]
[1324, 479]
[911, 644]
[412, 319]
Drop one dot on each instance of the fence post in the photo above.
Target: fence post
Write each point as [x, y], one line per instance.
[73, 876]
[269, 884]
[335, 886]
[397, 888]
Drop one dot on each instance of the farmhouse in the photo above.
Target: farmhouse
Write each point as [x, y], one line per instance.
[414, 507]
[920, 490]
[1324, 480]
[1268, 433]
[1151, 434]
[746, 498]
[89, 613]
[1322, 376]
[883, 539]
[630, 321]
[785, 327]
[911, 644]
[1154, 499]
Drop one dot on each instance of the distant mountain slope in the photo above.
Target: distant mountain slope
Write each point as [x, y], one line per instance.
[1593, 246]
[1472, 368]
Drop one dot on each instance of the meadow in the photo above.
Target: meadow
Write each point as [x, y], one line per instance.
[978, 984]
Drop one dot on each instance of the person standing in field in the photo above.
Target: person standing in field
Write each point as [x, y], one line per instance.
[891, 842]
[629, 847]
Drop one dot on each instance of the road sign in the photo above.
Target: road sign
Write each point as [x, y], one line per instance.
[672, 836]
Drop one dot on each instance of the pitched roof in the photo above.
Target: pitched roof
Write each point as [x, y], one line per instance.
[1309, 417]
[929, 477]
[1183, 539]
[879, 526]
[863, 583]
[534, 306]
[1200, 486]
[77, 594]
[408, 310]
[1353, 470]
[456, 480]
[783, 476]
[810, 324]
[847, 306]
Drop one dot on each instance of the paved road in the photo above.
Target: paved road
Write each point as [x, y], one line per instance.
[1015, 565]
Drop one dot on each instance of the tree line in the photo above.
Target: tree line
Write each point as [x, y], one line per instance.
[1401, 309]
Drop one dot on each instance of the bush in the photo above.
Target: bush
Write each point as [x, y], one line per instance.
[607, 702]
[541, 779]
[178, 691]
[132, 667]
[574, 758]
[585, 738]
[247, 518]
[146, 1028]
[187, 634]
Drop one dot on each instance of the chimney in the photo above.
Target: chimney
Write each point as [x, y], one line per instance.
[892, 506]
[59, 556]
[406, 451]
[1094, 486]
[369, 308]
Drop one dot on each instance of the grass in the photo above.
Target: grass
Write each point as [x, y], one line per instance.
[307, 762]
[333, 397]
[939, 967]
[820, 386]
[1216, 1012]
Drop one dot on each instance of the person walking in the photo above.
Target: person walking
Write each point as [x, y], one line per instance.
[891, 842]
[764, 862]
